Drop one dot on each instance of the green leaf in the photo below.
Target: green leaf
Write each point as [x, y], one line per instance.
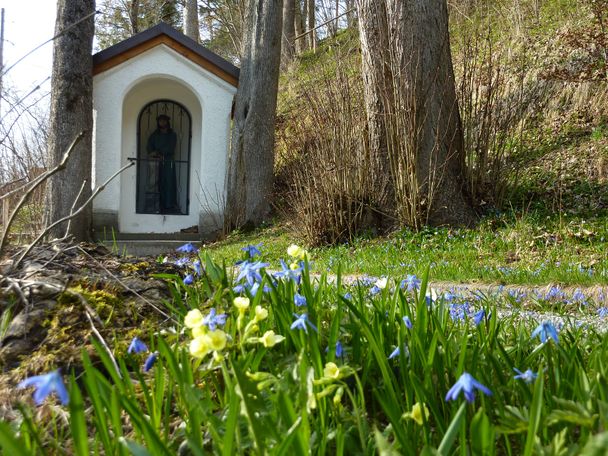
[78, 425]
[10, 443]
[535, 413]
[453, 429]
[482, 434]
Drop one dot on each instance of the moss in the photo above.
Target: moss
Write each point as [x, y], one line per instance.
[135, 267]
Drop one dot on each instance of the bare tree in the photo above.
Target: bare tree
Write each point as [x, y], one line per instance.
[71, 112]
[191, 28]
[250, 170]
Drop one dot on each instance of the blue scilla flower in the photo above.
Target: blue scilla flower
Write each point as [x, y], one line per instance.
[213, 320]
[339, 349]
[287, 273]
[527, 376]
[467, 384]
[545, 331]
[348, 296]
[397, 351]
[250, 272]
[189, 279]
[299, 300]
[187, 248]
[301, 322]
[602, 312]
[45, 385]
[150, 361]
[479, 316]
[373, 291]
[197, 267]
[407, 322]
[181, 262]
[137, 346]
[411, 282]
[252, 250]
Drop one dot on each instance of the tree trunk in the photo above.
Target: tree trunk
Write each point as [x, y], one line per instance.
[191, 28]
[71, 113]
[377, 80]
[251, 162]
[422, 51]
[300, 44]
[289, 33]
[311, 19]
[134, 16]
[411, 100]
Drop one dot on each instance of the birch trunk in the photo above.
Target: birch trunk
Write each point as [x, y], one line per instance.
[71, 113]
[251, 161]
[191, 28]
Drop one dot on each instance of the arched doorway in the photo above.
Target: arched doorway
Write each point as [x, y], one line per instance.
[163, 158]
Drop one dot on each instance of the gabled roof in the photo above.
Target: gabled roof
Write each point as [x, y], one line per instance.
[167, 35]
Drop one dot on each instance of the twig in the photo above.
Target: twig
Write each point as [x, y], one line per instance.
[150, 303]
[324, 23]
[71, 216]
[67, 229]
[88, 311]
[35, 185]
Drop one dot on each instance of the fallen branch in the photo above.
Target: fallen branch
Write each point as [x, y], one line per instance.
[35, 184]
[69, 217]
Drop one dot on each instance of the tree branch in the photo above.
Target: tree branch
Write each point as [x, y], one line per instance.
[71, 216]
[35, 184]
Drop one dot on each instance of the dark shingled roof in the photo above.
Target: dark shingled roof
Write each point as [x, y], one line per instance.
[164, 29]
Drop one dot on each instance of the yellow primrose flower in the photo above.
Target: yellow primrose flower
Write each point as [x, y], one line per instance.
[294, 251]
[199, 347]
[416, 414]
[199, 331]
[260, 313]
[241, 303]
[331, 370]
[270, 339]
[216, 340]
[294, 266]
[193, 319]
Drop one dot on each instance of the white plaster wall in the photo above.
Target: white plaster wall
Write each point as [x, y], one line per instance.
[119, 96]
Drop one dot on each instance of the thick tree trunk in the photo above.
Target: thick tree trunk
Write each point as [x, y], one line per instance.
[411, 102]
[250, 170]
[71, 113]
[377, 86]
[422, 50]
[289, 32]
[191, 28]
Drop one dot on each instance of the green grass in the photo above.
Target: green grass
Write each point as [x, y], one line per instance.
[507, 249]
[300, 396]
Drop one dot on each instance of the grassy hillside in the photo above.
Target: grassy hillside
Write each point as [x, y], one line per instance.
[543, 198]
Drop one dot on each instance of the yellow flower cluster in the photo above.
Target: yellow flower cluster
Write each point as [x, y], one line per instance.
[297, 252]
[204, 341]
